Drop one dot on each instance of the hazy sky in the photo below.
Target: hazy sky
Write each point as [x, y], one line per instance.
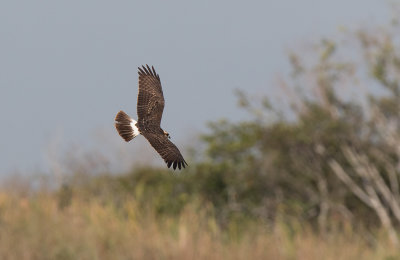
[67, 67]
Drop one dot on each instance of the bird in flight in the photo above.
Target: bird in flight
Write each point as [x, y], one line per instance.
[150, 107]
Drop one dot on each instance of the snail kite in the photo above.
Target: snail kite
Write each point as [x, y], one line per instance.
[150, 107]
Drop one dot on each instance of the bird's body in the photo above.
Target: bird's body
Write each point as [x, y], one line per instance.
[150, 107]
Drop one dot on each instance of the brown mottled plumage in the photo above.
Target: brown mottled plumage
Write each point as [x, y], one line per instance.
[150, 106]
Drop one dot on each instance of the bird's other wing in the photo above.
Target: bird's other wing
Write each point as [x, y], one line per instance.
[150, 103]
[168, 151]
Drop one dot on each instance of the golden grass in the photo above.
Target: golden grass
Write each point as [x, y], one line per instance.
[35, 228]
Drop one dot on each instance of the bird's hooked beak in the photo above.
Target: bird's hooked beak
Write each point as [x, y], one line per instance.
[167, 134]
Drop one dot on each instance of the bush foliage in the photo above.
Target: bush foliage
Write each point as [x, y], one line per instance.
[328, 159]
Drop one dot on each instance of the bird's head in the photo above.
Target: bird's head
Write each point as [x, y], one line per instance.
[167, 134]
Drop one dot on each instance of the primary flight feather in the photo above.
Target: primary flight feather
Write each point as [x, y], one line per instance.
[150, 107]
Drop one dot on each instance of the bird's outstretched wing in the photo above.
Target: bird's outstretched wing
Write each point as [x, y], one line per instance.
[150, 103]
[168, 151]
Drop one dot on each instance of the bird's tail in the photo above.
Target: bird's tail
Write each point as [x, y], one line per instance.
[126, 126]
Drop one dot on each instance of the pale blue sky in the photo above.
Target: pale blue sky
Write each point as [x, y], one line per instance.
[67, 67]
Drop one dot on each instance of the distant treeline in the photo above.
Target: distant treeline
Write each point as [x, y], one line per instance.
[330, 157]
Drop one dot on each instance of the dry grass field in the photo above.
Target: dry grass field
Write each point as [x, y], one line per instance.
[35, 227]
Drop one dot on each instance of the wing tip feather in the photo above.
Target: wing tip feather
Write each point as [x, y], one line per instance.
[146, 70]
[180, 164]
